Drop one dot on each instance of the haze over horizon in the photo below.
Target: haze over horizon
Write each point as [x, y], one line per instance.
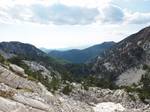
[61, 24]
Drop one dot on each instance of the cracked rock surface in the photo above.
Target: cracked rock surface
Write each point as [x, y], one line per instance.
[18, 94]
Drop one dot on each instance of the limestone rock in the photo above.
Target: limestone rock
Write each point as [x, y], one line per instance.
[18, 94]
[34, 66]
[30, 96]
[108, 107]
[18, 70]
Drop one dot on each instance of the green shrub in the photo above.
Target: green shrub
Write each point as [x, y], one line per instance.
[85, 85]
[130, 89]
[93, 81]
[145, 67]
[67, 89]
[54, 84]
[2, 60]
[31, 78]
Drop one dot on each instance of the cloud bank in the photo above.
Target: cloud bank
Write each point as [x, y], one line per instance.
[61, 14]
[65, 13]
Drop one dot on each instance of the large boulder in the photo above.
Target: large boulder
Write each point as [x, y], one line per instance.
[14, 80]
[18, 70]
[7, 105]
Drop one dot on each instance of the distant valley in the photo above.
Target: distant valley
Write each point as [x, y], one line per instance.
[82, 56]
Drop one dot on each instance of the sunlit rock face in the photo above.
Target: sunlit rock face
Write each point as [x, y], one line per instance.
[18, 70]
[108, 107]
[18, 94]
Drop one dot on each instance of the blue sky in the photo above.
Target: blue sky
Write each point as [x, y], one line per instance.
[71, 23]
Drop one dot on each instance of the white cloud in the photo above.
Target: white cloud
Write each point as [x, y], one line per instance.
[82, 3]
[61, 14]
[137, 18]
[112, 14]
[86, 3]
[69, 12]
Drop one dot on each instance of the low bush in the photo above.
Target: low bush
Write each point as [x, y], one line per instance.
[67, 89]
[2, 60]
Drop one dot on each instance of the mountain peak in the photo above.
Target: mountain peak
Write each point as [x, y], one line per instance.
[21, 49]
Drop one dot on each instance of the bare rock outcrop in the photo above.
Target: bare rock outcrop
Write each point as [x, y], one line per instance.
[24, 95]
[18, 70]
[19, 94]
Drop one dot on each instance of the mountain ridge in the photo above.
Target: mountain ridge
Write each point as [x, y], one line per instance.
[132, 52]
[84, 55]
[32, 78]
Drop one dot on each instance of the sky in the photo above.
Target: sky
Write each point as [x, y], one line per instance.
[59, 24]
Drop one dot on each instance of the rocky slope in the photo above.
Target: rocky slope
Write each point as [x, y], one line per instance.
[32, 59]
[19, 94]
[28, 52]
[17, 48]
[125, 60]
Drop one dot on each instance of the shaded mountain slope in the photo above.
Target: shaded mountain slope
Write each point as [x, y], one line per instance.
[28, 52]
[82, 56]
[10, 49]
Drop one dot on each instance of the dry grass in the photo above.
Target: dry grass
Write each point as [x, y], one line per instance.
[6, 94]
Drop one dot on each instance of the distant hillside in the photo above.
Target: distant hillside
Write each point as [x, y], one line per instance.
[9, 49]
[45, 50]
[24, 51]
[82, 56]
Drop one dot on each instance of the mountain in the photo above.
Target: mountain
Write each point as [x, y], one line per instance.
[45, 50]
[28, 56]
[51, 72]
[82, 56]
[26, 51]
[31, 81]
[23, 50]
[124, 62]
